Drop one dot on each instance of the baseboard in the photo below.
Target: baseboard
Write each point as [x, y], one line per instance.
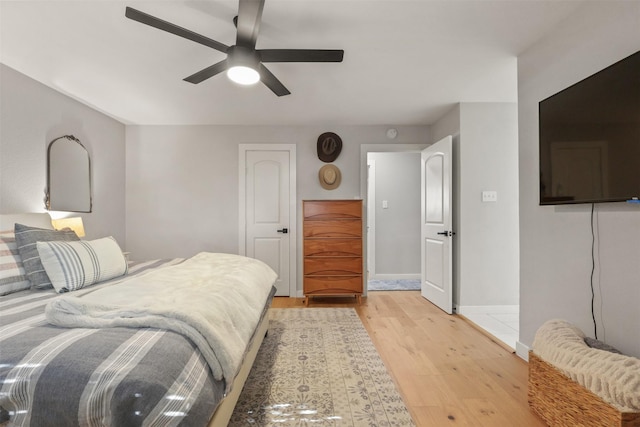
[394, 277]
[487, 309]
[483, 331]
[522, 351]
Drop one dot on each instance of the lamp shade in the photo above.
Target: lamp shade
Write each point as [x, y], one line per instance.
[243, 65]
[74, 223]
[243, 75]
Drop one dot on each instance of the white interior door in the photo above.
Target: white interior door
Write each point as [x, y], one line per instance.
[436, 232]
[269, 213]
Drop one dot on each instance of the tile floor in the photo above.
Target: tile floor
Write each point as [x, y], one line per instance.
[394, 285]
[501, 323]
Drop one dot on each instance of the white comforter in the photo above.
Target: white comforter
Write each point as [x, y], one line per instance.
[214, 299]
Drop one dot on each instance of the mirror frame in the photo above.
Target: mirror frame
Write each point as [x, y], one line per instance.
[49, 167]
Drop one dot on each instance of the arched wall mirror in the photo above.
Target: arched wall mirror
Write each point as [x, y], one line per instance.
[68, 176]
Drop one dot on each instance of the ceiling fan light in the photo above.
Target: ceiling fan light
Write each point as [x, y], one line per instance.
[243, 75]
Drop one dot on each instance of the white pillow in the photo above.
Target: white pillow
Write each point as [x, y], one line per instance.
[74, 265]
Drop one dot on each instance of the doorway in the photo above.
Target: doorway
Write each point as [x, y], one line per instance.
[390, 189]
[499, 319]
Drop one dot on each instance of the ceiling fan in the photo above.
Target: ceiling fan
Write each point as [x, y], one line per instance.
[244, 63]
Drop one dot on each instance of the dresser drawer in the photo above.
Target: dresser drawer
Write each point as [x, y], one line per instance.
[329, 266]
[319, 209]
[332, 247]
[333, 228]
[332, 285]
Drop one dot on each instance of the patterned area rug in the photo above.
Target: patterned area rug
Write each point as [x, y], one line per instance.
[318, 366]
[394, 285]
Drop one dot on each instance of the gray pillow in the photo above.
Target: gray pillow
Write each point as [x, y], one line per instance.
[597, 344]
[26, 239]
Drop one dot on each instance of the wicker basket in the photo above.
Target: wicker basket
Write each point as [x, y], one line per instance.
[560, 401]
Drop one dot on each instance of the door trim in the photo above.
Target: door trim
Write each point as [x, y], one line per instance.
[293, 218]
[370, 271]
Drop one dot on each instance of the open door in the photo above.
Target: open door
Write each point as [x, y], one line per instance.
[436, 232]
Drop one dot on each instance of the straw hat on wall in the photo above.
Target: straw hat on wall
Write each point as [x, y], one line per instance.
[330, 177]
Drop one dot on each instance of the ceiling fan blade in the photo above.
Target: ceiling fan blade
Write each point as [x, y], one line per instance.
[152, 21]
[301, 55]
[206, 73]
[249, 17]
[272, 82]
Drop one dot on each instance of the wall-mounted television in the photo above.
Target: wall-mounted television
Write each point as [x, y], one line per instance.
[590, 138]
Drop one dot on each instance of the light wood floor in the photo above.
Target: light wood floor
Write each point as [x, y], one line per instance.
[448, 372]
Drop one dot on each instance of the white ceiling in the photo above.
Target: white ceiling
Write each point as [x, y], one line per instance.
[405, 62]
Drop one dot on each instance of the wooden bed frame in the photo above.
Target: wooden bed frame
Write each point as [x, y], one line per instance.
[560, 401]
[41, 220]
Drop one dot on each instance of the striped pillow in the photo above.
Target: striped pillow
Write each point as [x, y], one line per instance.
[74, 265]
[12, 275]
[26, 238]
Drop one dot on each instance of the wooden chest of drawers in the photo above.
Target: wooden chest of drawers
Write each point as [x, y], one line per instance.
[332, 248]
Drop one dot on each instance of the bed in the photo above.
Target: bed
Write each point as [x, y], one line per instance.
[117, 374]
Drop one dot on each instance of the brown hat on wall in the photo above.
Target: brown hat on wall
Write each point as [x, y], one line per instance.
[329, 147]
[330, 177]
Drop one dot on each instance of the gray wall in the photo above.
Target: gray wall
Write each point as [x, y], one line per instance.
[555, 242]
[486, 241]
[31, 116]
[182, 181]
[397, 228]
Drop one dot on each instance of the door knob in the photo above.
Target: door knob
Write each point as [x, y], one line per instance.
[283, 231]
[446, 233]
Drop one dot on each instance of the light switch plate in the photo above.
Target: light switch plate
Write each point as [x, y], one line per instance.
[385, 204]
[489, 196]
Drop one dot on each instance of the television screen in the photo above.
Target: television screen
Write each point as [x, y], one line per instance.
[590, 138]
